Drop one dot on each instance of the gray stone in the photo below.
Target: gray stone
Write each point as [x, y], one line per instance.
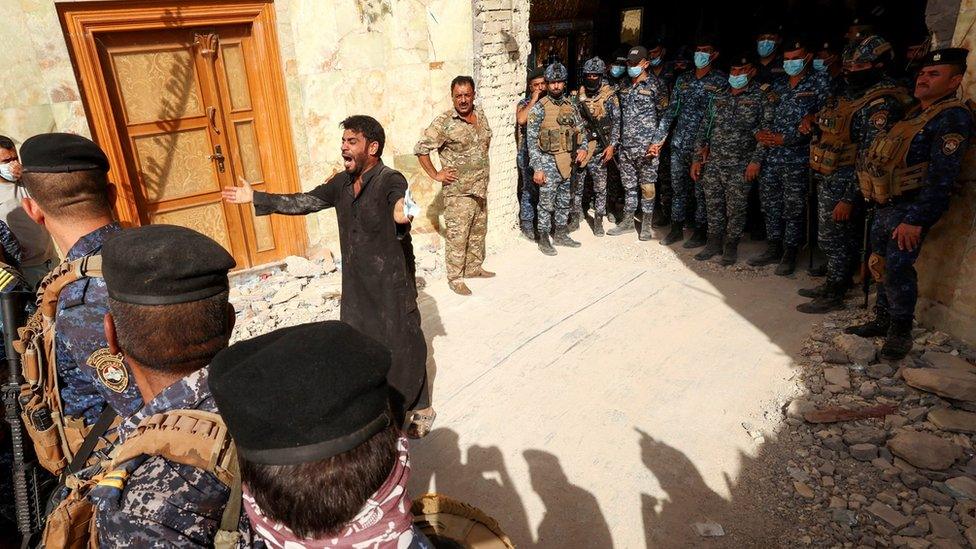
[879, 370]
[803, 490]
[858, 349]
[956, 421]
[868, 389]
[864, 452]
[798, 407]
[943, 527]
[946, 383]
[286, 292]
[302, 268]
[924, 450]
[962, 487]
[936, 359]
[913, 480]
[889, 515]
[934, 496]
[894, 391]
[835, 356]
[910, 542]
[864, 435]
[837, 375]
[844, 517]
[708, 529]
[835, 443]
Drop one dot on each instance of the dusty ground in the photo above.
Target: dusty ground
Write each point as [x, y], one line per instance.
[614, 395]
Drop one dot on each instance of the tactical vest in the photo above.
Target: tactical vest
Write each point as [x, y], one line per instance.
[596, 106]
[558, 134]
[189, 437]
[56, 438]
[883, 171]
[834, 149]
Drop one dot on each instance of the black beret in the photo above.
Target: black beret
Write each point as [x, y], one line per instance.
[946, 56]
[301, 394]
[164, 265]
[796, 42]
[742, 57]
[537, 72]
[61, 153]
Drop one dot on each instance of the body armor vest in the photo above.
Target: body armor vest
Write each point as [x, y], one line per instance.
[558, 134]
[834, 148]
[596, 106]
[883, 171]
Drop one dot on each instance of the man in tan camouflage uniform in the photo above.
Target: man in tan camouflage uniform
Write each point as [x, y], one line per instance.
[461, 137]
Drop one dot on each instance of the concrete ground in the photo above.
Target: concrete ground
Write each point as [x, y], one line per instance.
[612, 396]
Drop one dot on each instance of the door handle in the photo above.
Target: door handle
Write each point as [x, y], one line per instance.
[212, 117]
[218, 155]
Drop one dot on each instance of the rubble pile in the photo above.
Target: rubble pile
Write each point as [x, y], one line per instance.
[882, 452]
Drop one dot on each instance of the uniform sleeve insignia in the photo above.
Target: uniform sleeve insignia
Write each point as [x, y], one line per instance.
[879, 119]
[110, 369]
[951, 142]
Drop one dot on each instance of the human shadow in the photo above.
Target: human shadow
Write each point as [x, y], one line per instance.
[433, 328]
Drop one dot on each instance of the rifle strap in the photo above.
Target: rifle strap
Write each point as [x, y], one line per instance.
[101, 426]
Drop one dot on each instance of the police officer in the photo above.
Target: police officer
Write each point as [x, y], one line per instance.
[601, 115]
[870, 102]
[528, 194]
[686, 109]
[909, 172]
[784, 178]
[554, 133]
[770, 66]
[828, 63]
[664, 70]
[640, 108]
[727, 158]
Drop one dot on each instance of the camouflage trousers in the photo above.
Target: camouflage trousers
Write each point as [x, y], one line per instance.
[466, 218]
[528, 192]
[782, 191]
[836, 239]
[665, 192]
[685, 190]
[638, 172]
[726, 196]
[598, 178]
[554, 201]
[898, 294]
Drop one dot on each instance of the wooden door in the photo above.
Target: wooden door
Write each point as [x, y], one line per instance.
[189, 122]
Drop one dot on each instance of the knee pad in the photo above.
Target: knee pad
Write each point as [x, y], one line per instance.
[647, 191]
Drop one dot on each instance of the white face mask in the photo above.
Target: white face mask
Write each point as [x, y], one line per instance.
[7, 172]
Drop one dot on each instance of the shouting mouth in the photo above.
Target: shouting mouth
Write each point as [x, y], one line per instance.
[347, 162]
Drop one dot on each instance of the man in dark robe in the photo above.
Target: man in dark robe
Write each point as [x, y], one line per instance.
[379, 293]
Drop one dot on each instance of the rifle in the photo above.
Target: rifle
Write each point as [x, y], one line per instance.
[866, 253]
[594, 127]
[27, 497]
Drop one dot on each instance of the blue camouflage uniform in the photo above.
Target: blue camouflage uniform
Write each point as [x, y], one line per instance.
[556, 194]
[665, 192]
[609, 124]
[684, 115]
[640, 111]
[529, 192]
[729, 133]
[942, 143]
[784, 177]
[162, 503]
[838, 239]
[80, 319]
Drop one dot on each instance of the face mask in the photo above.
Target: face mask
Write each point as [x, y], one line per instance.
[655, 61]
[616, 71]
[7, 172]
[862, 79]
[738, 81]
[819, 65]
[634, 72]
[591, 85]
[794, 67]
[702, 59]
[765, 47]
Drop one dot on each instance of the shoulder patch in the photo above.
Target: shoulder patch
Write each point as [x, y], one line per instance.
[110, 369]
[879, 119]
[951, 142]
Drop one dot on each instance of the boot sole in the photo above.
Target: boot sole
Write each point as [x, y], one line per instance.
[801, 308]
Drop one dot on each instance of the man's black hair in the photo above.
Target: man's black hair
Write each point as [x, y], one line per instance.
[70, 195]
[371, 129]
[316, 499]
[460, 80]
[7, 143]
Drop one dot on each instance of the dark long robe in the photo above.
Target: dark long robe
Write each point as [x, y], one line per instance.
[379, 293]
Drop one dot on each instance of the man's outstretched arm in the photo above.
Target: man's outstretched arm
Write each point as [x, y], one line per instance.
[317, 199]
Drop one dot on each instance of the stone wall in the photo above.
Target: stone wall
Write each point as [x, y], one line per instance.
[947, 266]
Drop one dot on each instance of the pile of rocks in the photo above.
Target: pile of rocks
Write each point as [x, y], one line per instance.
[883, 452]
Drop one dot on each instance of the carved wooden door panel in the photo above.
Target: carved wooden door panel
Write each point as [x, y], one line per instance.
[189, 125]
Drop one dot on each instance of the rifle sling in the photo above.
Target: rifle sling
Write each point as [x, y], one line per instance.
[101, 426]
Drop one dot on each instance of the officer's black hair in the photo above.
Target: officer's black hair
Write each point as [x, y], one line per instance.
[70, 195]
[175, 339]
[317, 499]
[371, 129]
[460, 80]
[7, 143]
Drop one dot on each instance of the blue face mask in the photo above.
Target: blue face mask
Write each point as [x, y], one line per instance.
[655, 61]
[765, 47]
[616, 71]
[738, 81]
[793, 67]
[819, 65]
[634, 72]
[702, 59]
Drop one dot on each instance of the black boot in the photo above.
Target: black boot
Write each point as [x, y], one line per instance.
[677, 233]
[574, 222]
[561, 238]
[545, 244]
[712, 248]
[831, 300]
[787, 264]
[815, 292]
[528, 233]
[661, 219]
[645, 232]
[899, 340]
[624, 226]
[818, 271]
[773, 253]
[598, 226]
[874, 328]
[697, 239]
[730, 252]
